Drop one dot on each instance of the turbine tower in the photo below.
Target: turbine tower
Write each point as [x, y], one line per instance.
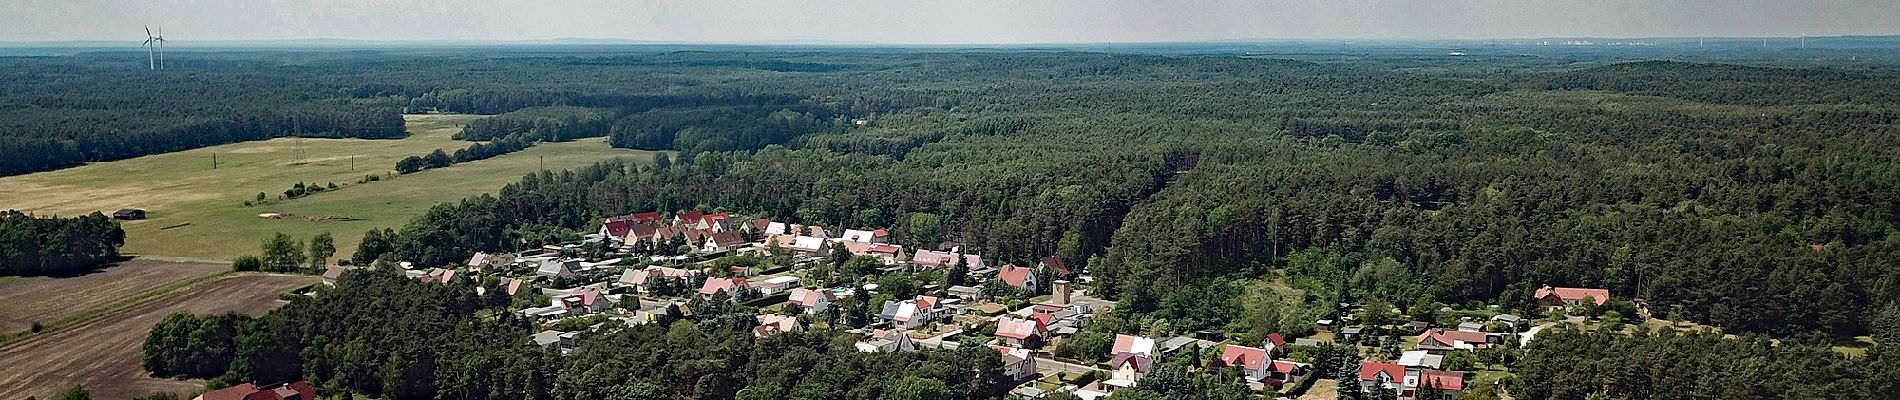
[151, 58]
[161, 47]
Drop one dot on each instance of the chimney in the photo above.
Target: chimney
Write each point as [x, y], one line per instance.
[1059, 292]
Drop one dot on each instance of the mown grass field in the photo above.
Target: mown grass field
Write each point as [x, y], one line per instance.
[196, 211]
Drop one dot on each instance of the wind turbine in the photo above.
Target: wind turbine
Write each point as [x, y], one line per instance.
[151, 59]
[161, 47]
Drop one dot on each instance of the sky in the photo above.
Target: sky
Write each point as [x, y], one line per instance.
[936, 21]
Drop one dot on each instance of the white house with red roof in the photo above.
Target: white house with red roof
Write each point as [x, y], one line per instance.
[1410, 384]
[1253, 362]
[1021, 332]
[1018, 364]
[1275, 344]
[812, 301]
[1132, 358]
[1020, 277]
[730, 286]
[1440, 340]
[1560, 297]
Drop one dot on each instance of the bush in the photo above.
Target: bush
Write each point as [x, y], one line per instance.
[247, 263]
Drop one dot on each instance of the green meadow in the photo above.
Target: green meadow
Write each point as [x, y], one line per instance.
[196, 211]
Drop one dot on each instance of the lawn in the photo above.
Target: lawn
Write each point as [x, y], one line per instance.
[197, 211]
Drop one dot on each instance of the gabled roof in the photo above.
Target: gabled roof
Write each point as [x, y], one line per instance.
[1573, 294]
[856, 235]
[1141, 362]
[809, 298]
[1447, 380]
[1133, 344]
[1015, 328]
[1284, 367]
[716, 285]
[1012, 355]
[1056, 264]
[1013, 275]
[1276, 340]
[726, 239]
[1248, 358]
[1453, 338]
[1369, 371]
[690, 217]
[757, 225]
[514, 285]
[772, 324]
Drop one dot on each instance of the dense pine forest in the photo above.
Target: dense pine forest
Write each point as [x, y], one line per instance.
[1753, 198]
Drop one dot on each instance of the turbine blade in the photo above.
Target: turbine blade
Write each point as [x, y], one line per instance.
[148, 31]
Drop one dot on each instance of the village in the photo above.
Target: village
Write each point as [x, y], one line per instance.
[648, 268]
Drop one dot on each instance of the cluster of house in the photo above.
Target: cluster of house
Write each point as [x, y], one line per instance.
[1134, 356]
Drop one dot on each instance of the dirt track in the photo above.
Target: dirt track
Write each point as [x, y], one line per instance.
[104, 353]
[44, 300]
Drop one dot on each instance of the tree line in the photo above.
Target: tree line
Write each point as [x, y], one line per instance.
[31, 245]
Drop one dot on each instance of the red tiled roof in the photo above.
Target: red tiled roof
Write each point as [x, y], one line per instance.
[691, 216]
[1284, 367]
[1573, 294]
[716, 285]
[1447, 380]
[1018, 329]
[1013, 275]
[1369, 371]
[879, 232]
[1276, 339]
[1056, 263]
[1453, 337]
[1245, 357]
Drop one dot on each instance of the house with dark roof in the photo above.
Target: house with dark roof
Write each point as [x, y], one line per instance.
[886, 341]
[1127, 369]
[722, 241]
[128, 214]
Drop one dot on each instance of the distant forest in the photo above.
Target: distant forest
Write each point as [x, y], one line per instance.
[1758, 199]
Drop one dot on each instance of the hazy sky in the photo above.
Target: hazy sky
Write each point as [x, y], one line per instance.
[936, 21]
